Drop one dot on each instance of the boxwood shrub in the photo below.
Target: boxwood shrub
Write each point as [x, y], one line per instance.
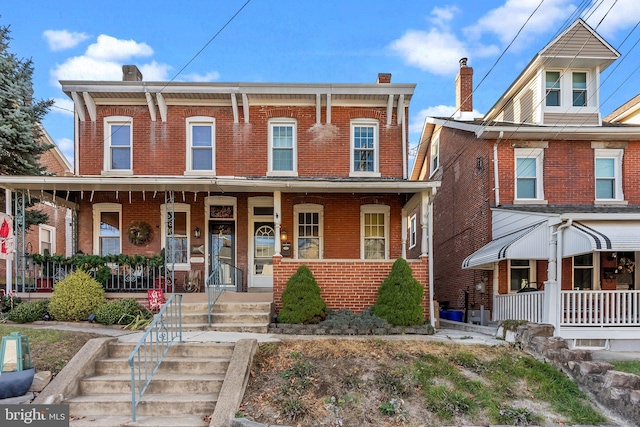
[76, 297]
[119, 312]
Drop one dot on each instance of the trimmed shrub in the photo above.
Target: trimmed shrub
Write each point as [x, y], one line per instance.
[119, 312]
[400, 297]
[29, 311]
[76, 297]
[301, 300]
[7, 303]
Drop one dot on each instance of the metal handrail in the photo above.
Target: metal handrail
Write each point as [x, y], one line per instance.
[214, 288]
[150, 351]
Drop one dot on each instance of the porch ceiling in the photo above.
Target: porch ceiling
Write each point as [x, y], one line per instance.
[602, 236]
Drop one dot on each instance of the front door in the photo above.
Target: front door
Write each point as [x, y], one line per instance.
[264, 240]
[223, 253]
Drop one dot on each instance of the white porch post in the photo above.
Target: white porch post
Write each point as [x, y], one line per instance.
[425, 217]
[403, 254]
[549, 313]
[277, 220]
[9, 263]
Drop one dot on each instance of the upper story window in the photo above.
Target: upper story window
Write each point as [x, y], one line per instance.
[107, 229]
[175, 233]
[553, 88]
[283, 156]
[309, 235]
[579, 89]
[413, 237]
[608, 174]
[201, 148]
[567, 89]
[118, 147]
[364, 148]
[435, 154]
[528, 174]
[374, 224]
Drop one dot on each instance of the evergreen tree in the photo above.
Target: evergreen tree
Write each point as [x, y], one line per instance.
[21, 135]
[400, 297]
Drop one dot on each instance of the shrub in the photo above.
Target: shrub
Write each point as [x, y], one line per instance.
[8, 302]
[119, 312]
[400, 297]
[75, 297]
[347, 319]
[27, 312]
[301, 300]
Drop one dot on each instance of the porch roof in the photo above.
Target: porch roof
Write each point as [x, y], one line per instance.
[531, 242]
[602, 236]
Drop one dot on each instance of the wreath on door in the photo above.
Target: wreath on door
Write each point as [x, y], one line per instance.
[140, 233]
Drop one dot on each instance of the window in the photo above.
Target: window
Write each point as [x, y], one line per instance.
[529, 173]
[579, 85]
[413, 238]
[118, 148]
[608, 171]
[107, 226]
[282, 147]
[374, 231]
[176, 240]
[309, 235]
[520, 274]
[553, 88]
[201, 153]
[46, 239]
[364, 148]
[435, 154]
[583, 272]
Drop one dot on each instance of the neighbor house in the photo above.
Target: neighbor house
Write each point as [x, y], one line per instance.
[245, 182]
[540, 194]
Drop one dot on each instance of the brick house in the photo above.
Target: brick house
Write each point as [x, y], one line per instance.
[51, 236]
[541, 193]
[248, 181]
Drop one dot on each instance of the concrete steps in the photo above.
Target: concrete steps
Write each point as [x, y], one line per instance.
[227, 317]
[183, 392]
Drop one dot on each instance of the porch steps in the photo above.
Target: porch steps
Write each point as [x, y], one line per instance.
[231, 316]
[183, 392]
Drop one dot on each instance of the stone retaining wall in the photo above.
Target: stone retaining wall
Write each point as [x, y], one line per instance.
[316, 329]
[619, 392]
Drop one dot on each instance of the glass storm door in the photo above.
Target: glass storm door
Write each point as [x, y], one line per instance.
[223, 251]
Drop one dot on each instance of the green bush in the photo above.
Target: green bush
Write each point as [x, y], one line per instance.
[76, 297]
[29, 311]
[119, 312]
[400, 297]
[301, 300]
[7, 303]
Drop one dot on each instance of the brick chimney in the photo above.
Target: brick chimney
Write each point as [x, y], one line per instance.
[464, 88]
[384, 78]
[131, 73]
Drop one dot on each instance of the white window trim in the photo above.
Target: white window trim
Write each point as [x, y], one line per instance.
[98, 208]
[376, 148]
[52, 233]
[283, 121]
[108, 122]
[177, 207]
[309, 208]
[566, 91]
[413, 231]
[538, 154]
[435, 142]
[617, 155]
[594, 281]
[532, 273]
[200, 121]
[383, 209]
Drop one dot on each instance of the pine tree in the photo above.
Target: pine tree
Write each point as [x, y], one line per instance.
[21, 135]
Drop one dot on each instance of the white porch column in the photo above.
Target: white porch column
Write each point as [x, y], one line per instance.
[425, 207]
[550, 301]
[9, 263]
[403, 254]
[277, 219]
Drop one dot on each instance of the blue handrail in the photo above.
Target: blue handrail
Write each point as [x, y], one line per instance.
[214, 288]
[148, 354]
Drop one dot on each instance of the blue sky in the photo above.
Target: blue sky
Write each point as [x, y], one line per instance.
[319, 41]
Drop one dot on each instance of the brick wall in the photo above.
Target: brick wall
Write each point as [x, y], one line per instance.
[346, 284]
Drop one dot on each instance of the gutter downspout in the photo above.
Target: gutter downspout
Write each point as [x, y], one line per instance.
[430, 258]
[496, 181]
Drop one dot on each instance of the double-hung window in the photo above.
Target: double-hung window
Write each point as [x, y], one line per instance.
[608, 174]
[283, 147]
[413, 237]
[520, 274]
[118, 152]
[107, 229]
[46, 239]
[528, 174]
[579, 89]
[552, 86]
[435, 154]
[309, 235]
[583, 272]
[374, 223]
[364, 148]
[201, 149]
[175, 234]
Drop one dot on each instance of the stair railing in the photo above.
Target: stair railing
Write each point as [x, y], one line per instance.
[148, 354]
[214, 288]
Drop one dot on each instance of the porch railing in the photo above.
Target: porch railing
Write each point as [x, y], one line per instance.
[148, 354]
[600, 308]
[523, 306]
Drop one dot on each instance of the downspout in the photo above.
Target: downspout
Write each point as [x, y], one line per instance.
[430, 258]
[496, 181]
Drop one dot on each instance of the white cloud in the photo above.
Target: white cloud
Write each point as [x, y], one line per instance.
[63, 106]
[442, 16]
[207, 77]
[154, 71]
[622, 15]
[435, 51]
[63, 39]
[417, 122]
[109, 48]
[66, 146]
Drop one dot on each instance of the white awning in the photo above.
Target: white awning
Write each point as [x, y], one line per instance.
[602, 236]
[527, 243]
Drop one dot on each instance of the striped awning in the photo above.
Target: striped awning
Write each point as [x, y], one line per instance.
[602, 236]
[531, 242]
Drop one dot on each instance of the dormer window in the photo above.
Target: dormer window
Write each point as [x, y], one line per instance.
[579, 85]
[568, 89]
[553, 88]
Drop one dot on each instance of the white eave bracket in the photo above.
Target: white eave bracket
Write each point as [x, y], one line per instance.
[390, 109]
[152, 106]
[79, 106]
[162, 106]
[91, 106]
[234, 107]
[245, 107]
[400, 113]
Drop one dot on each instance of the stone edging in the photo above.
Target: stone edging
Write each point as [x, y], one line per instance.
[294, 329]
